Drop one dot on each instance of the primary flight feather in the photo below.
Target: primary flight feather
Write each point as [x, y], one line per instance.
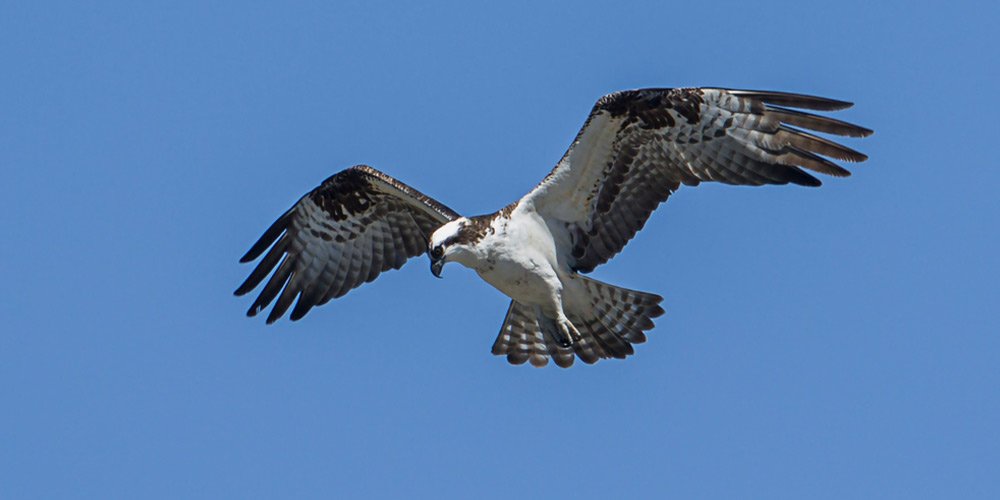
[636, 148]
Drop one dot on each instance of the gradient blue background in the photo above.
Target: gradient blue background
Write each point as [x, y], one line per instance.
[839, 342]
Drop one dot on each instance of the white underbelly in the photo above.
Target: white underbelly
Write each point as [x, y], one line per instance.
[518, 258]
[529, 282]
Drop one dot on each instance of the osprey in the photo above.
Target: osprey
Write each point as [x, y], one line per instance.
[636, 148]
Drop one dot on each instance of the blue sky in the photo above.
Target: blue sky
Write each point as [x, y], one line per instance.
[838, 342]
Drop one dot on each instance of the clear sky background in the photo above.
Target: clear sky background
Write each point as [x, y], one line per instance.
[839, 342]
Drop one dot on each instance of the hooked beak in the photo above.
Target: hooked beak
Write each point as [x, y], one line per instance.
[436, 266]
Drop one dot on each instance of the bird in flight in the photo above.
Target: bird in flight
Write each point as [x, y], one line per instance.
[636, 148]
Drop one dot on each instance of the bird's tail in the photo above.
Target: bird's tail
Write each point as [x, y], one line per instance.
[603, 325]
[522, 339]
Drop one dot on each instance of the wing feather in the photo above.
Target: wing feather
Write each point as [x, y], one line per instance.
[355, 225]
[638, 146]
[818, 123]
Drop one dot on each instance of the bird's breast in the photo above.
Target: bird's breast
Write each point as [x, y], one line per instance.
[518, 259]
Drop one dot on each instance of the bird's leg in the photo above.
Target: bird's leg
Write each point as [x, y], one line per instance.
[569, 332]
[561, 330]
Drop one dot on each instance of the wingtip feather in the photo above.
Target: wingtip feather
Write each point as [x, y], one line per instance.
[793, 100]
[273, 232]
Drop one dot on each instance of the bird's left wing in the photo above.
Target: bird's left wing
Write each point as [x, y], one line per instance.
[638, 146]
[340, 235]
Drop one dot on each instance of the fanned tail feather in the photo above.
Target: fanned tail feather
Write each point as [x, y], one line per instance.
[615, 319]
[521, 340]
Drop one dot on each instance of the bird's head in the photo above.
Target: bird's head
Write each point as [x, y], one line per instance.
[453, 241]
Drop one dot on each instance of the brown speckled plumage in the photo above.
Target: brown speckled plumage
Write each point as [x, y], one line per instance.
[636, 148]
[664, 138]
[355, 225]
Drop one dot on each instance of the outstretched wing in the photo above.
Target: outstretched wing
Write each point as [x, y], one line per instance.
[345, 232]
[638, 146]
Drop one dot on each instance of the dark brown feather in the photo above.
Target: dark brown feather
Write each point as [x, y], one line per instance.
[818, 123]
[801, 101]
[355, 225]
[652, 140]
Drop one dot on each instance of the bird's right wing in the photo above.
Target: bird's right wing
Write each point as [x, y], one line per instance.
[345, 232]
[638, 146]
